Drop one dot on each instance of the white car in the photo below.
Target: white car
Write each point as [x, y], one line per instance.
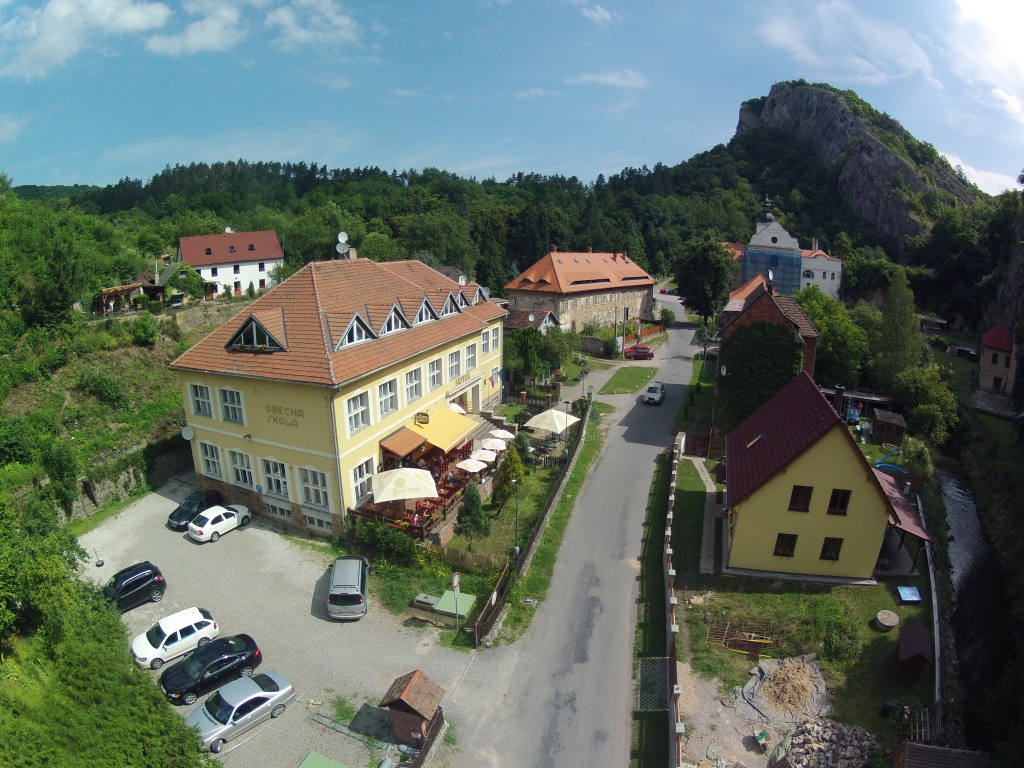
[218, 520]
[173, 636]
[655, 393]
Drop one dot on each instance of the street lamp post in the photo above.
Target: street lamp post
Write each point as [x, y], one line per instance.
[714, 400]
[515, 551]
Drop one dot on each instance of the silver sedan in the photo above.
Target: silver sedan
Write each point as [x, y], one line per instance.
[240, 705]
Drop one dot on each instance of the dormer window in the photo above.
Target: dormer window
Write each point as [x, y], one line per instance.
[450, 307]
[209, 251]
[395, 322]
[463, 301]
[357, 332]
[252, 247]
[231, 248]
[425, 315]
[253, 337]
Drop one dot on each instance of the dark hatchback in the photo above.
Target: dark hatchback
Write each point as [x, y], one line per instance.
[135, 585]
[209, 667]
[190, 507]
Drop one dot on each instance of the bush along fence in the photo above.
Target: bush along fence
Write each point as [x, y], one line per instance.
[676, 728]
[490, 613]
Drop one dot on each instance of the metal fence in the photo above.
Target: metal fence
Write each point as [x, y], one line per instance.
[431, 737]
[490, 612]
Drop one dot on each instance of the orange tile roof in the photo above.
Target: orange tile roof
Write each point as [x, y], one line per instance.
[736, 248]
[316, 305]
[560, 272]
[265, 246]
[417, 691]
[814, 253]
[748, 287]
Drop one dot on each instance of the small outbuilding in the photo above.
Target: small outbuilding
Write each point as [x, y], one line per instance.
[889, 427]
[414, 700]
[915, 755]
[913, 652]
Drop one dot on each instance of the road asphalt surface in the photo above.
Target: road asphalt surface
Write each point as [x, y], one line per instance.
[563, 695]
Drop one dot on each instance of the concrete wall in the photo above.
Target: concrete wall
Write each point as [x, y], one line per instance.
[599, 307]
[203, 313]
[826, 273]
[830, 463]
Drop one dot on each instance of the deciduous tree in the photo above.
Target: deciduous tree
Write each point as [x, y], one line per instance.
[704, 273]
[842, 345]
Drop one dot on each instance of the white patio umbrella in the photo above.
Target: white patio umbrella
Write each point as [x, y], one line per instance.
[501, 434]
[403, 483]
[472, 466]
[552, 420]
[492, 444]
[483, 455]
[456, 407]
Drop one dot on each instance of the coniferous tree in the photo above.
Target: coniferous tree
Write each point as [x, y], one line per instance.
[472, 521]
[511, 468]
[898, 348]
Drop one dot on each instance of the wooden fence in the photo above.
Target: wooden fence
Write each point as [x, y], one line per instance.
[430, 737]
[645, 333]
[490, 612]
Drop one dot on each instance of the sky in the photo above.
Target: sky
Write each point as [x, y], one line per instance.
[92, 91]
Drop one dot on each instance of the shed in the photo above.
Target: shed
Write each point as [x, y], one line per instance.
[889, 427]
[413, 700]
[915, 755]
[913, 652]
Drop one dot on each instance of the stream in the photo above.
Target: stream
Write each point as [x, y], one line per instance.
[983, 642]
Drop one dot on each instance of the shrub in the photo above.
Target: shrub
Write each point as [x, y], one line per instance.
[104, 387]
[611, 348]
[387, 542]
[522, 444]
[145, 330]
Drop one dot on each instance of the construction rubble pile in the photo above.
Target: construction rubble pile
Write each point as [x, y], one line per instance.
[821, 743]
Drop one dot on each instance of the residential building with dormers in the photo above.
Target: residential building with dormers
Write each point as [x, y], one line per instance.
[232, 261]
[289, 401]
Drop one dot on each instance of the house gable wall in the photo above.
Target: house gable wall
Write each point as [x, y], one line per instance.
[833, 462]
[764, 310]
[999, 370]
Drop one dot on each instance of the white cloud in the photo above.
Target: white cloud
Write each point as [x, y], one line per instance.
[835, 39]
[985, 49]
[46, 37]
[406, 93]
[536, 93]
[987, 181]
[626, 78]
[219, 29]
[600, 15]
[10, 127]
[312, 22]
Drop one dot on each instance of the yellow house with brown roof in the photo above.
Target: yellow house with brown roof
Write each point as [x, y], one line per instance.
[296, 402]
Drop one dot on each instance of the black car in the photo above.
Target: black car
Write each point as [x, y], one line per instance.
[191, 506]
[209, 667]
[135, 585]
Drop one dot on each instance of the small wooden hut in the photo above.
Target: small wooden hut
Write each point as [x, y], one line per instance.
[413, 700]
[913, 651]
[889, 427]
[915, 755]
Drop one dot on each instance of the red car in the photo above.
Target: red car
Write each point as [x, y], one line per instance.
[638, 352]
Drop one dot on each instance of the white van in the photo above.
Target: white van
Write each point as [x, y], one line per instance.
[347, 597]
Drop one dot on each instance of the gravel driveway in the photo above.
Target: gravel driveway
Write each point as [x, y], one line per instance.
[256, 581]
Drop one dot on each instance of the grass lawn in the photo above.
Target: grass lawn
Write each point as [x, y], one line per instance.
[572, 370]
[628, 379]
[696, 417]
[533, 496]
[537, 579]
[597, 364]
[509, 411]
[836, 622]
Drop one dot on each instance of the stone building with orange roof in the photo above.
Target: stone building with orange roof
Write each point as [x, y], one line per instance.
[585, 289]
[296, 402]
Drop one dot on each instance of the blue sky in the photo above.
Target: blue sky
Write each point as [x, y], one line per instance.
[94, 90]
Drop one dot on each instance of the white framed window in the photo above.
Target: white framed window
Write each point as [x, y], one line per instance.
[413, 385]
[314, 488]
[202, 403]
[320, 522]
[453, 365]
[485, 342]
[275, 478]
[210, 455]
[276, 511]
[387, 397]
[358, 408]
[231, 406]
[356, 333]
[515, 303]
[434, 371]
[392, 324]
[241, 468]
[451, 307]
[470, 357]
[425, 315]
[494, 339]
[362, 479]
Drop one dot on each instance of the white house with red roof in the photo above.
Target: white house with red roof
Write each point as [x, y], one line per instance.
[232, 260]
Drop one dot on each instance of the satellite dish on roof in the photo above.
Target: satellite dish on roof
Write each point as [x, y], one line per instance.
[343, 237]
[342, 248]
[228, 231]
[770, 275]
[531, 317]
[723, 370]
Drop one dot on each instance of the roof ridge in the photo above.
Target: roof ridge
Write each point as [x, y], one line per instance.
[320, 319]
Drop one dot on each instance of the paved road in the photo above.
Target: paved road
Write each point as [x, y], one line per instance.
[563, 695]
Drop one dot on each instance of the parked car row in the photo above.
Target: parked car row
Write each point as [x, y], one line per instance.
[207, 662]
[205, 516]
[638, 352]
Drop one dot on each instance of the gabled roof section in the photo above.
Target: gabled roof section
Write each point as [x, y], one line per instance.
[320, 302]
[559, 272]
[518, 319]
[262, 331]
[417, 692]
[748, 287]
[999, 336]
[230, 247]
[775, 434]
[787, 307]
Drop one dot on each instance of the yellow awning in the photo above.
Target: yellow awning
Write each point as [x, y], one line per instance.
[446, 429]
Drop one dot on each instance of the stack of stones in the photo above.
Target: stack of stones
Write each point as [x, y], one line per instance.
[821, 743]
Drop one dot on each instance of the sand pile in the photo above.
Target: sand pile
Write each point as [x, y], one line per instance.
[789, 687]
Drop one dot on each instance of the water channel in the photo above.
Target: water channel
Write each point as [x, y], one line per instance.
[983, 642]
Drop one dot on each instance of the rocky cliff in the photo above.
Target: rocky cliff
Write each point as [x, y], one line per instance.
[886, 175]
[1009, 303]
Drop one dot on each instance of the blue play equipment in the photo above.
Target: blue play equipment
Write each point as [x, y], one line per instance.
[881, 463]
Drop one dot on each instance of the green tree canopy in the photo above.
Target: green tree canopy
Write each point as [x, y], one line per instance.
[760, 359]
[924, 396]
[704, 273]
[899, 344]
[842, 347]
[472, 521]
[511, 468]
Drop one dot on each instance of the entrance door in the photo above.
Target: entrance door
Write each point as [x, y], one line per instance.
[475, 393]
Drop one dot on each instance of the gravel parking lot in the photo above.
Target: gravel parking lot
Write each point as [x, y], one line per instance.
[256, 581]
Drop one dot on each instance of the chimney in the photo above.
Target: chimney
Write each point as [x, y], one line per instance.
[814, 244]
[837, 399]
[590, 250]
[906, 490]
